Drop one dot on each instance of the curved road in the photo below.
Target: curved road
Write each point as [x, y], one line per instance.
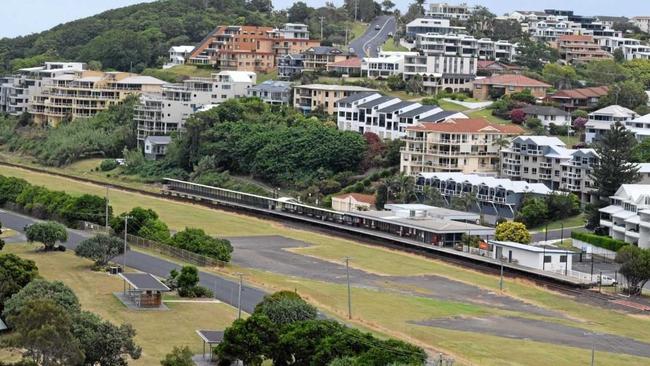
[367, 44]
[225, 290]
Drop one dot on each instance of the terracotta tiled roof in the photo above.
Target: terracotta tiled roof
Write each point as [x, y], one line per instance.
[582, 93]
[511, 79]
[351, 62]
[484, 64]
[467, 125]
[365, 198]
[575, 38]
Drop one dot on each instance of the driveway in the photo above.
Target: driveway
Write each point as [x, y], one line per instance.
[366, 45]
[225, 289]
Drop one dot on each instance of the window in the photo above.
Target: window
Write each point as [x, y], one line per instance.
[563, 258]
[547, 259]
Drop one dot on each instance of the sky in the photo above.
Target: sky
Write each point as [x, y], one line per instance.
[22, 17]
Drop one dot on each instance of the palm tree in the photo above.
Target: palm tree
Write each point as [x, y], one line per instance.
[501, 142]
[433, 197]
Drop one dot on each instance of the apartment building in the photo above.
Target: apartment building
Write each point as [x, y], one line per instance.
[643, 22]
[385, 64]
[17, 91]
[290, 66]
[601, 120]
[582, 98]
[628, 215]
[546, 160]
[454, 145]
[450, 73]
[580, 48]
[312, 97]
[550, 30]
[273, 92]
[83, 94]
[161, 113]
[431, 26]
[317, 58]
[495, 197]
[387, 117]
[250, 48]
[640, 126]
[631, 48]
[463, 45]
[449, 11]
[499, 85]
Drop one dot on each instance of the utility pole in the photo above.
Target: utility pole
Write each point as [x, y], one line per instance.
[356, 9]
[126, 227]
[321, 28]
[241, 280]
[593, 352]
[501, 279]
[106, 210]
[347, 270]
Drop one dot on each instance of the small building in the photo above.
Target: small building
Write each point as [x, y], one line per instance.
[499, 85]
[317, 58]
[583, 98]
[143, 289]
[351, 67]
[179, 54]
[290, 65]
[155, 147]
[273, 92]
[532, 256]
[353, 202]
[489, 67]
[548, 115]
[416, 211]
[601, 120]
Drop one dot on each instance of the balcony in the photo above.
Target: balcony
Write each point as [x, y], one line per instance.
[546, 165]
[545, 176]
[512, 173]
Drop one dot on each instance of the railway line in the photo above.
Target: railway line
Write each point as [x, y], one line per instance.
[449, 255]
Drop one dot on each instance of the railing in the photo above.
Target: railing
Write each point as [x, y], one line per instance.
[164, 249]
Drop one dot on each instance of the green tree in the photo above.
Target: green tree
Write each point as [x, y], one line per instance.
[138, 218]
[155, 230]
[512, 231]
[56, 292]
[415, 84]
[197, 241]
[47, 233]
[381, 196]
[535, 124]
[387, 5]
[560, 76]
[286, 307]
[179, 356]
[639, 70]
[629, 94]
[508, 30]
[481, 21]
[533, 212]
[534, 55]
[635, 266]
[433, 197]
[15, 273]
[619, 56]
[642, 151]
[86, 207]
[604, 72]
[464, 202]
[249, 340]
[104, 343]
[43, 330]
[614, 166]
[299, 12]
[188, 277]
[100, 248]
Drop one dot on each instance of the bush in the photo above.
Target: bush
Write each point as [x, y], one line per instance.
[108, 165]
[195, 291]
[600, 241]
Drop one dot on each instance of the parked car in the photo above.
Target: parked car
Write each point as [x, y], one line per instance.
[605, 280]
[377, 27]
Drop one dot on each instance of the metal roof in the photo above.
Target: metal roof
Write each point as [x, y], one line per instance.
[356, 96]
[376, 102]
[418, 111]
[144, 281]
[439, 116]
[210, 336]
[396, 106]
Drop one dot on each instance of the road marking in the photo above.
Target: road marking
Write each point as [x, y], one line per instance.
[365, 45]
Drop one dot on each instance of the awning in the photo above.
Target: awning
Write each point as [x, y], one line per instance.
[611, 209]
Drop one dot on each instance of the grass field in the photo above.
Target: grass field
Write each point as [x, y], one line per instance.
[487, 114]
[356, 29]
[157, 331]
[390, 45]
[7, 233]
[388, 262]
[262, 77]
[573, 221]
[179, 72]
[450, 106]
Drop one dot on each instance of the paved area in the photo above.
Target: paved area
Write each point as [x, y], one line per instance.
[367, 44]
[520, 328]
[470, 105]
[268, 253]
[225, 289]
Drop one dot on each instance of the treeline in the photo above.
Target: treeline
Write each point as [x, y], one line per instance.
[105, 134]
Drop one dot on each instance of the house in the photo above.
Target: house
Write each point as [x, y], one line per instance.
[431, 25]
[583, 98]
[155, 147]
[499, 85]
[628, 215]
[439, 72]
[580, 48]
[308, 98]
[547, 160]
[601, 120]
[179, 54]
[640, 126]
[454, 145]
[350, 67]
[317, 58]
[540, 257]
[385, 64]
[490, 67]
[495, 197]
[548, 115]
[272, 92]
[447, 11]
[353, 202]
[290, 65]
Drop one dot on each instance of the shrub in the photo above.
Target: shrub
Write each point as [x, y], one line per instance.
[518, 116]
[107, 165]
[600, 241]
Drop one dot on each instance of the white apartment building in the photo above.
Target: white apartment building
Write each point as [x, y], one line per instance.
[464, 45]
[640, 126]
[387, 63]
[632, 48]
[454, 145]
[433, 26]
[643, 22]
[601, 120]
[160, 114]
[17, 91]
[550, 30]
[546, 160]
[388, 117]
[628, 216]
[449, 11]
[451, 73]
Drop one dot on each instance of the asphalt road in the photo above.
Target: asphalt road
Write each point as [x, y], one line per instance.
[367, 44]
[225, 290]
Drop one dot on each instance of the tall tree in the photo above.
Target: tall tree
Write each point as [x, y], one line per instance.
[387, 5]
[100, 248]
[480, 22]
[615, 155]
[561, 76]
[629, 94]
[56, 291]
[635, 266]
[605, 72]
[512, 231]
[15, 273]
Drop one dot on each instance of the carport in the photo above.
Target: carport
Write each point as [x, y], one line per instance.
[211, 338]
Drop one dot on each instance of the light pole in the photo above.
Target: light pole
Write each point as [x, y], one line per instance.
[321, 27]
[106, 213]
[126, 228]
[241, 280]
[501, 278]
[347, 271]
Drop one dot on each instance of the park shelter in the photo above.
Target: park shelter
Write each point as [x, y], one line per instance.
[210, 338]
[144, 290]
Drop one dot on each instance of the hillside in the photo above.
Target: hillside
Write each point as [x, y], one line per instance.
[138, 36]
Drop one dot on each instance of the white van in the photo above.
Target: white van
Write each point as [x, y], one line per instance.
[605, 280]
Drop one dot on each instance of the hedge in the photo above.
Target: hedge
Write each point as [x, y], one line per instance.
[600, 241]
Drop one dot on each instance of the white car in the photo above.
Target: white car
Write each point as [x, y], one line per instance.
[605, 280]
[377, 27]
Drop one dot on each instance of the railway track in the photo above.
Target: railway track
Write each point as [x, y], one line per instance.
[460, 261]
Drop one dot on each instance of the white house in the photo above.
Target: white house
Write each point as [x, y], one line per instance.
[385, 65]
[548, 115]
[178, 55]
[538, 257]
[601, 120]
[155, 147]
[628, 216]
[640, 126]
[353, 202]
